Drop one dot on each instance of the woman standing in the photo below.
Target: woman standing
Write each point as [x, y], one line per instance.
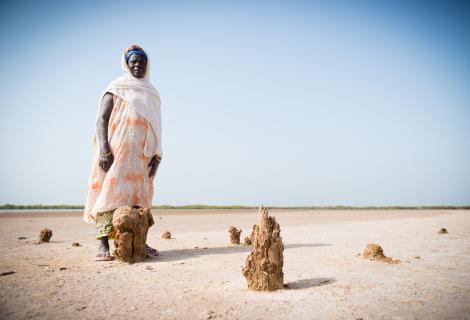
[127, 147]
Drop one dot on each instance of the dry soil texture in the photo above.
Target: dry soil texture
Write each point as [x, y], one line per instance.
[325, 273]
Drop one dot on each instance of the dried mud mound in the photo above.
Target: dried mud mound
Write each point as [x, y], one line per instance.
[375, 252]
[247, 241]
[442, 231]
[45, 235]
[166, 235]
[234, 235]
[131, 226]
[263, 270]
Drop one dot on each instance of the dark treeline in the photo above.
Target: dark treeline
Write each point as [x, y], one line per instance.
[41, 206]
[202, 206]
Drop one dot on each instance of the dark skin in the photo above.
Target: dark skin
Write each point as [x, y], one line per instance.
[137, 65]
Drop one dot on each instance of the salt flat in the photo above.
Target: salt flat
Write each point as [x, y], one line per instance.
[198, 274]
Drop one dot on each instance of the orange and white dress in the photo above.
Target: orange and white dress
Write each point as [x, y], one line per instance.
[127, 181]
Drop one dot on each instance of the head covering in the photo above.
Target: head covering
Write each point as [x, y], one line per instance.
[140, 94]
[135, 50]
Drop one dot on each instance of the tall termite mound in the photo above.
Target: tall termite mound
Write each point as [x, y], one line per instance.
[131, 226]
[234, 235]
[263, 270]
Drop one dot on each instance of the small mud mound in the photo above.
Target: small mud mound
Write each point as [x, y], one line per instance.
[234, 235]
[131, 226]
[375, 252]
[166, 235]
[247, 241]
[442, 231]
[45, 235]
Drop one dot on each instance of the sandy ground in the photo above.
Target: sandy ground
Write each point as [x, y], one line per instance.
[198, 274]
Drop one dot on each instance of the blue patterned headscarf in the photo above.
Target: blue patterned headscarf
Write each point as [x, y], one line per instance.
[135, 51]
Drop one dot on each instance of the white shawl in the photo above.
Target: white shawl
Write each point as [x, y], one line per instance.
[140, 94]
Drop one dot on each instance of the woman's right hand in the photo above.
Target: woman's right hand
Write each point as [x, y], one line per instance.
[106, 161]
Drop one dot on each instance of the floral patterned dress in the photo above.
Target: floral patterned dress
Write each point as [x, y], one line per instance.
[127, 181]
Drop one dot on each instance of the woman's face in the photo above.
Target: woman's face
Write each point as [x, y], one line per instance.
[138, 65]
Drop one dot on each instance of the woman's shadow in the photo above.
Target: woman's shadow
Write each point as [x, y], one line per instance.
[183, 254]
[309, 283]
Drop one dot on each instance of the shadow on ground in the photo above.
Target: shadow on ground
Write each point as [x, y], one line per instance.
[182, 254]
[309, 283]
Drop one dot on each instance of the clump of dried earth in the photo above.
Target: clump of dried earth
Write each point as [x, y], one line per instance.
[234, 235]
[374, 251]
[131, 226]
[45, 235]
[166, 235]
[247, 241]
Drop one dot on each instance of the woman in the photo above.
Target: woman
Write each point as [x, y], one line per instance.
[128, 130]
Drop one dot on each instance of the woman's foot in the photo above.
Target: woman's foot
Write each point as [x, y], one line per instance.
[103, 250]
[103, 256]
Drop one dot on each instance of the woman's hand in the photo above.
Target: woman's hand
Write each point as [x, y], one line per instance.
[153, 164]
[106, 161]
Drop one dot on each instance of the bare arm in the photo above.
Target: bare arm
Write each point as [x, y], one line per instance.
[106, 157]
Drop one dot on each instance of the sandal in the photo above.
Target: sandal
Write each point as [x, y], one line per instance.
[103, 256]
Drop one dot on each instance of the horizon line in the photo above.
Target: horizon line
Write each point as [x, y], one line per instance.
[204, 206]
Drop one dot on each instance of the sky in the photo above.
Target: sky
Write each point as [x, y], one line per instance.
[281, 103]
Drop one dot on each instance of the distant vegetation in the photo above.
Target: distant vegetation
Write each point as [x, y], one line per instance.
[40, 206]
[203, 206]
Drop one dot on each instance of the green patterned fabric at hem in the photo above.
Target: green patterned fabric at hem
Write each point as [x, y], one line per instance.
[104, 224]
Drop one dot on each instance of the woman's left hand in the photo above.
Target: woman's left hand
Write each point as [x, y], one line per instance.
[153, 164]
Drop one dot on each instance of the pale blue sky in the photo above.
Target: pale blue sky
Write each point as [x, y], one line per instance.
[275, 103]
